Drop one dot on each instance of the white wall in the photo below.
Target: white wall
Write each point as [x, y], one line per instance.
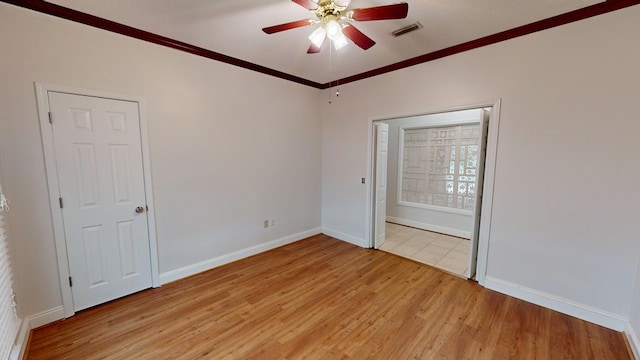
[565, 209]
[456, 224]
[227, 151]
[229, 147]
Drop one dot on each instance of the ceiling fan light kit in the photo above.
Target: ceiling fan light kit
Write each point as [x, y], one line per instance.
[333, 30]
[335, 19]
[317, 37]
[340, 42]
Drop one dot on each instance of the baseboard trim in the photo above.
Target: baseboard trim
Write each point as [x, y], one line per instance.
[580, 311]
[346, 237]
[32, 322]
[45, 317]
[193, 269]
[20, 345]
[430, 227]
[632, 339]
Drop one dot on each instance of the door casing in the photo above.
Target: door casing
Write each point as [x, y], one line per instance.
[381, 149]
[42, 90]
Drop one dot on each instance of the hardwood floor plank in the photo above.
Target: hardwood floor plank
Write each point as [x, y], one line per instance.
[321, 298]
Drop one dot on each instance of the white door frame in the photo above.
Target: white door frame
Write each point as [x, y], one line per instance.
[54, 187]
[380, 211]
[487, 188]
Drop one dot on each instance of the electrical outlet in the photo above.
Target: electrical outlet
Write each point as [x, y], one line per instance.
[272, 222]
[266, 224]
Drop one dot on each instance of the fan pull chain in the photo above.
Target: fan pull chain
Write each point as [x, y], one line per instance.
[330, 67]
[331, 72]
[337, 94]
[336, 75]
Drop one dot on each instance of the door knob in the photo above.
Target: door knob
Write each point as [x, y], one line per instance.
[139, 209]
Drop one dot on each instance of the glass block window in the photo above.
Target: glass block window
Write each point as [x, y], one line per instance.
[440, 165]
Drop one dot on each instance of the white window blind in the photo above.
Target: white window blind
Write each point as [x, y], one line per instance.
[8, 318]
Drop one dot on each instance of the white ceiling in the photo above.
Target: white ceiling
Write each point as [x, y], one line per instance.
[233, 28]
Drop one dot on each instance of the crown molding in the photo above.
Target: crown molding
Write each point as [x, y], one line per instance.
[566, 18]
[101, 23]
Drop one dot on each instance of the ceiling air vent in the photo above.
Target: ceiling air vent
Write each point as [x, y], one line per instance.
[407, 29]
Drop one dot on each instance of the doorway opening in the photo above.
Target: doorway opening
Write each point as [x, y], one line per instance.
[432, 185]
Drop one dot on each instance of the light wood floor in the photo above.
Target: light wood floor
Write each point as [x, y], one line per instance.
[321, 298]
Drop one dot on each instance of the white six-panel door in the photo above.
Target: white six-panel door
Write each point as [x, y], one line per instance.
[380, 183]
[99, 161]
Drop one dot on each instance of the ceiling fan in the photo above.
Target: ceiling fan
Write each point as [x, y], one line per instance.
[336, 20]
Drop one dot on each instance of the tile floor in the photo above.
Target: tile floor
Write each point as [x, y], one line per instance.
[445, 252]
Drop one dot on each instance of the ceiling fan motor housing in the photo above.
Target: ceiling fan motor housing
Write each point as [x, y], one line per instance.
[329, 10]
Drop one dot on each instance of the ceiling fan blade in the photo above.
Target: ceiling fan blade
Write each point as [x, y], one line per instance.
[395, 11]
[287, 26]
[307, 4]
[313, 49]
[357, 37]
